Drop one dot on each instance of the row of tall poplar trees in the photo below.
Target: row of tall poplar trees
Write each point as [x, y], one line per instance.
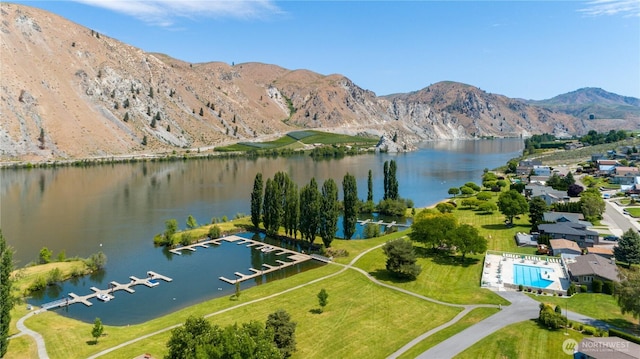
[278, 203]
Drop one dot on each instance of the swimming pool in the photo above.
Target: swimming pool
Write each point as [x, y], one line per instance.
[530, 276]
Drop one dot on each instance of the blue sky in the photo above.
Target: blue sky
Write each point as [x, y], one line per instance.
[532, 50]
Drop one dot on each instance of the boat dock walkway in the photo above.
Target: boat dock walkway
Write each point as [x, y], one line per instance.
[293, 256]
[107, 294]
[382, 223]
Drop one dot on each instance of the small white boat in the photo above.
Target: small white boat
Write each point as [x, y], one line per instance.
[103, 297]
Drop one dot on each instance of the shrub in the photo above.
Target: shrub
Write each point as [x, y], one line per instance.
[608, 287]
[550, 318]
[54, 276]
[333, 252]
[588, 330]
[623, 335]
[38, 284]
[520, 287]
[597, 286]
[583, 288]
[572, 289]
[185, 239]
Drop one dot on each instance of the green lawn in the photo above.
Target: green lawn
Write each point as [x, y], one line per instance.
[298, 139]
[443, 277]
[355, 323]
[633, 211]
[522, 340]
[595, 305]
[468, 320]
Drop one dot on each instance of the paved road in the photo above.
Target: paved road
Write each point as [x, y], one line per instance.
[522, 308]
[42, 350]
[620, 222]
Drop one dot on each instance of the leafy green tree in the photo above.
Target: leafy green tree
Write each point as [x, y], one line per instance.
[489, 179]
[171, 227]
[256, 200]
[329, 212]
[628, 248]
[592, 204]
[467, 240]
[445, 207]
[371, 230]
[537, 207]
[310, 217]
[549, 318]
[401, 259]
[488, 207]
[392, 207]
[97, 329]
[511, 204]
[96, 261]
[284, 331]
[484, 196]
[627, 293]
[323, 299]
[215, 232]
[454, 191]
[45, 255]
[433, 229]
[292, 211]
[512, 165]
[466, 191]
[470, 202]
[6, 299]
[350, 198]
[473, 186]
[191, 222]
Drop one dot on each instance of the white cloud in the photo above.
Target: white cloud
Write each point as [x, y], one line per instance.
[164, 12]
[612, 7]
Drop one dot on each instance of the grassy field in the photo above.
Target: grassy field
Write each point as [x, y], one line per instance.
[25, 276]
[470, 319]
[297, 140]
[443, 278]
[522, 340]
[595, 305]
[349, 327]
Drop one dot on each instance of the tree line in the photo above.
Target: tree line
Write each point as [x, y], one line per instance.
[312, 210]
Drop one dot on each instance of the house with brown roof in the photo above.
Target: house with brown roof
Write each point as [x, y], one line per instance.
[564, 246]
[589, 267]
[601, 251]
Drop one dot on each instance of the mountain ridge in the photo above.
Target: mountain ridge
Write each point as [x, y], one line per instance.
[70, 92]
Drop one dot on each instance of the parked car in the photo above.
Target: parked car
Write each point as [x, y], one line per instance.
[611, 238]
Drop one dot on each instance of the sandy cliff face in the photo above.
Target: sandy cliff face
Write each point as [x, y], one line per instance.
[70, 92]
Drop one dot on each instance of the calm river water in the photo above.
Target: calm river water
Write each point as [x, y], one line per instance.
[118, 209]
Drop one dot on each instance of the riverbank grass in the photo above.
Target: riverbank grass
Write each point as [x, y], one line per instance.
[25, 277]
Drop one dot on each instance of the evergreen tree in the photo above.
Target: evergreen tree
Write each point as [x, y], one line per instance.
[126, 117]
[284, 332]
[628, 248]
[201, 112]
[144, 140]
[6, 300]
[370, 187]
[350, 196]
[256, 200]
[329, 212]
[537, 207]
[310, 218]
[292, 209]
[151, 92]
[393, 181]
[401, 259]
[153, 123]
[385, 170]
[323, 299]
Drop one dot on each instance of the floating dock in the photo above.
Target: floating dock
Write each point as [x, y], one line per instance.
[364, 222]
[293, 256]
[150, 281]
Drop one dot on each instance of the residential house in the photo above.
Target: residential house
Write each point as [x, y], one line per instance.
[590, 266]
[606, 348]
[548, 194]
[606, 167]
[559, 217]
[542, 171]
[564, 246]
[597, 156]
[601, 251]
[525, 167]
[576, 232]
[624, 175]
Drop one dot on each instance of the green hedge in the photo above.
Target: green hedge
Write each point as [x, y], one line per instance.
[623, 335]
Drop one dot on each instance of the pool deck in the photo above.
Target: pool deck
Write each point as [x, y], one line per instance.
[498, 270]
[108, 293]
[293, 256]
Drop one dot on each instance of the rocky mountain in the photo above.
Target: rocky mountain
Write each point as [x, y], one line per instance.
[68, 91]
[593, 103]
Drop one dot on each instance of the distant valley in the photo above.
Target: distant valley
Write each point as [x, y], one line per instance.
[69, 92]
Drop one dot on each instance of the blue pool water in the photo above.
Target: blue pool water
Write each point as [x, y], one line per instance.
[530, 276]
